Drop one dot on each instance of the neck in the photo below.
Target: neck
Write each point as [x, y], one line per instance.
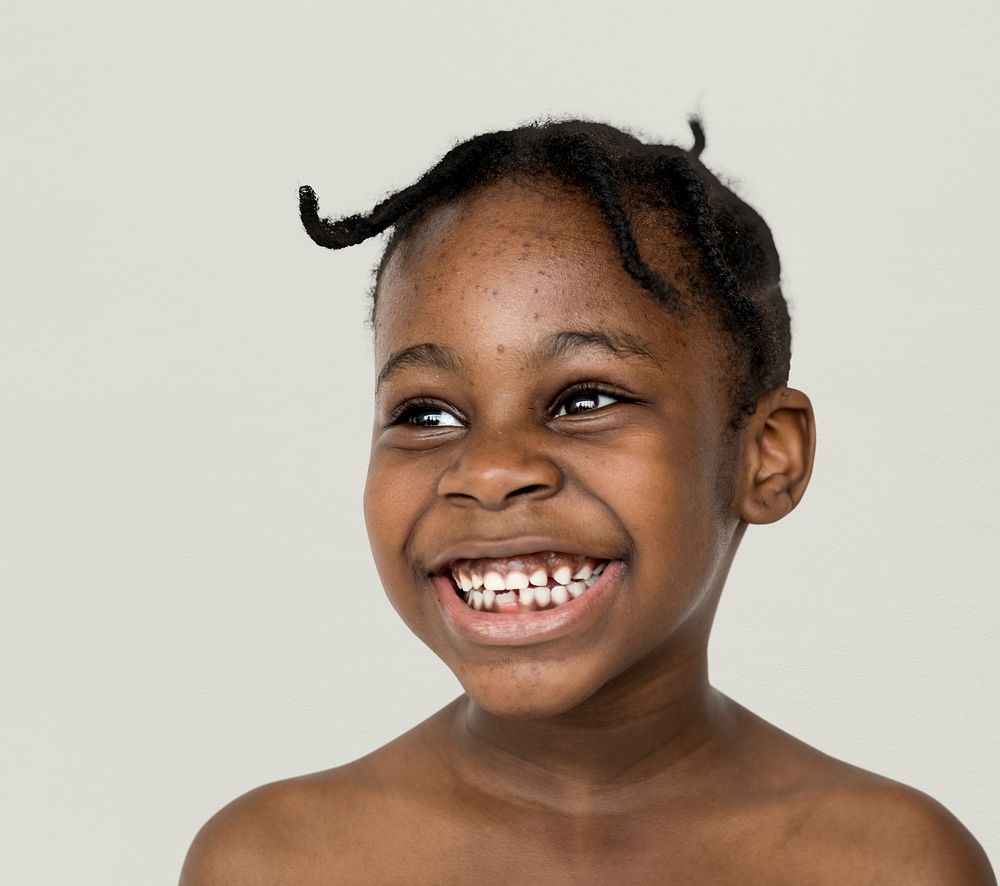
[645, 735]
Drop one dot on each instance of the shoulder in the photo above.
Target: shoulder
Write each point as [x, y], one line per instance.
[907, 837]
[868, 829]
[836, 823]
[269, 834]
[333, 825]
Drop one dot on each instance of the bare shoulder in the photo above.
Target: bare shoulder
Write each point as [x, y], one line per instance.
[904, 836]
[285, 832]
[836, 823]
[329, 826]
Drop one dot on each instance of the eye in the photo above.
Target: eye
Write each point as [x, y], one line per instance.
[584, 400]
[426, 415]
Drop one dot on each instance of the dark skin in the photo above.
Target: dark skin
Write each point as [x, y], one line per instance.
[600, 752]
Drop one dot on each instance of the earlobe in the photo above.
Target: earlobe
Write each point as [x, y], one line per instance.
[779, 445]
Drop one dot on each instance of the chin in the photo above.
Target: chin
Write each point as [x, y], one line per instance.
[526, 693]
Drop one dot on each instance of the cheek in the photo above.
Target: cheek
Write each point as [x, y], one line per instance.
[665, 493]
[386, 507]
[659, 483]
[394, 498]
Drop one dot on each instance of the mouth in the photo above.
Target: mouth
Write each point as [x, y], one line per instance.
[524, 583]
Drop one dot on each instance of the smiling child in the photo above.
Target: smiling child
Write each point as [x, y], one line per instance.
[581, 403]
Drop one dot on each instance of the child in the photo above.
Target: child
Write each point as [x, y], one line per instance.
[581, 404]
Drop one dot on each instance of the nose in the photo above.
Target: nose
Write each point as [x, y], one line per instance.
[496, 472]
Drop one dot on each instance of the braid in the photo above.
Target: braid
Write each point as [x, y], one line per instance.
[737, 254]
[462, 168]
[585, 163]
[690, 193]
[698, 131]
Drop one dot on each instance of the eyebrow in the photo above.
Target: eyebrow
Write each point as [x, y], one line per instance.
[558, 344]
[426, 354]
[620, 344]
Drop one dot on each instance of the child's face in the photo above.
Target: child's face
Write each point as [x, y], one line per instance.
[558, 409]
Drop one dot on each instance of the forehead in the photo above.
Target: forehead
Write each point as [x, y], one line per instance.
[518, 259]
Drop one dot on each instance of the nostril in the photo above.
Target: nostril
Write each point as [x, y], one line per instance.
[495, 474]
[533, 489]
[460, 496]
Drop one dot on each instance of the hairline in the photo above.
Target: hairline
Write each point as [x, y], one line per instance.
[641, 209]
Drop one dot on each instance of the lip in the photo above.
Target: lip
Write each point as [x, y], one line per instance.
[485, 549]
[525, 628]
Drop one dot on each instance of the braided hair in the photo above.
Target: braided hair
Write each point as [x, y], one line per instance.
[734, 256]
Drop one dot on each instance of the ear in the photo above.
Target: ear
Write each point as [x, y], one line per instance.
[779, 445]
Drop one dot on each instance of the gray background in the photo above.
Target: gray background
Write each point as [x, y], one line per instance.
[188, 604]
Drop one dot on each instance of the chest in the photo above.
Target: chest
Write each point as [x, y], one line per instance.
[555, 852]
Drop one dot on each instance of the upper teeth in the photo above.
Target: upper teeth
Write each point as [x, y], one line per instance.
[489, 584]
[562, 575]
[515, 581]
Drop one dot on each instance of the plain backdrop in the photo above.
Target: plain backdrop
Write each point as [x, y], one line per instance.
[189, 608]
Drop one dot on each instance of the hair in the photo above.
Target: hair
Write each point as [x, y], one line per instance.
[734, 260]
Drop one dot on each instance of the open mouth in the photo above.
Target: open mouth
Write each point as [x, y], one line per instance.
[525, 583]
